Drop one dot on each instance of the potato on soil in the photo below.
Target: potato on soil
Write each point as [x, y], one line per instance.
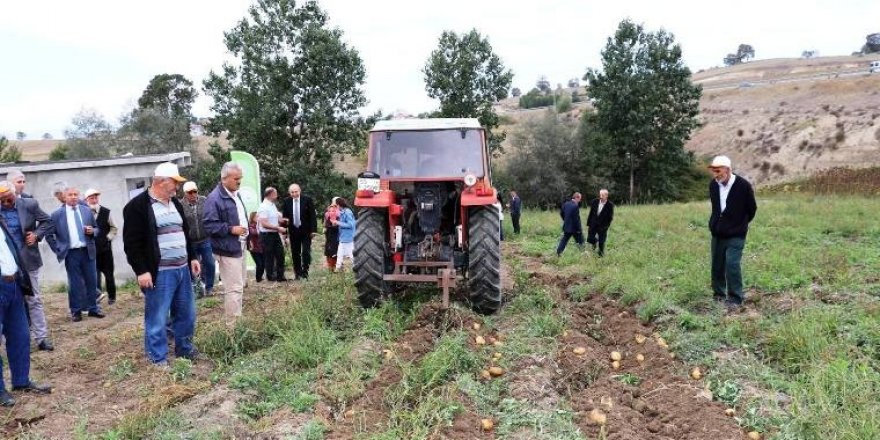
[616, 356]
[496, 371]
[597, 417]
[579, 350]
[487, 424]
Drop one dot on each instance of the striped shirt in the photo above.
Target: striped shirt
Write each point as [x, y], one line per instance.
[169, 233]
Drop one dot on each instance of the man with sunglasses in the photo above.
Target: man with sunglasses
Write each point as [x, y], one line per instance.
[733, 207]
[27, 225]
[194, 209]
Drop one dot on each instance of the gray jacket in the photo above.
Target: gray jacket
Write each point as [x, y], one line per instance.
[195, 216]
[33, 219]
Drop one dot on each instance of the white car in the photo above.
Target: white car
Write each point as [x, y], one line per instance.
[875, 67]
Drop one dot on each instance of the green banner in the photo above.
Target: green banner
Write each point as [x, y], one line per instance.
[250, 180]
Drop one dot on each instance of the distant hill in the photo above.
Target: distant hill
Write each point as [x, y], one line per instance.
[778, 119]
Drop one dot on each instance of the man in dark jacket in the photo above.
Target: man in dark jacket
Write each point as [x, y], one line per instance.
[226, 223]
[13, 319]
[194, 208]
[733, 207]
[28, 225]
[154, 232]
[103, 244]
[515, 207]
[571, 223]
[302, 225]
[599, 220]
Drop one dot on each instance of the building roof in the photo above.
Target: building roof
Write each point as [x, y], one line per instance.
[426, 124]
[181, 159]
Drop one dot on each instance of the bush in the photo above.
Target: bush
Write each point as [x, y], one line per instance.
[535, 99]
[563, 104]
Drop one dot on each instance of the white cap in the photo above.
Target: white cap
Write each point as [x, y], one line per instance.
[168, 169]
[190, 186]
[91, 192]
[720, 161]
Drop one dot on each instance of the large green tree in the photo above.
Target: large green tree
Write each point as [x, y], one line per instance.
[161, 122]
[646, 108]
[8, 153]
[89, 137]
[467, 77]
[291, 97]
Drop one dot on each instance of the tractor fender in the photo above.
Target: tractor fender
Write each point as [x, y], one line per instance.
[472, 198]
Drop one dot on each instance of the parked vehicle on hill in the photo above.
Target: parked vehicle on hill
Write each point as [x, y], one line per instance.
[875, 67]
[426, 212]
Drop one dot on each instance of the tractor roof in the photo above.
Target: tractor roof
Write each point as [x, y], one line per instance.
[427, 124]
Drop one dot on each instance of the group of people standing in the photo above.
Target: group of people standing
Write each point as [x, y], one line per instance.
[598, 222]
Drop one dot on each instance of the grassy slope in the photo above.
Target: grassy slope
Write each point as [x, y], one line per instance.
[801, 363]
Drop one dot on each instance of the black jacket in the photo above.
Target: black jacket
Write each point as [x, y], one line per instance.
[307, 216]
[139, 235]
[600, 221]
[740, 210]
[571, 217]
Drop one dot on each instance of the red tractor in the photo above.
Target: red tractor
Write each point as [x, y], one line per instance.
[428, 212]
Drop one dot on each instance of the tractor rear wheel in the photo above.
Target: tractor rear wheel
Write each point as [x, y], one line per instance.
[369, 256]
[484, 259]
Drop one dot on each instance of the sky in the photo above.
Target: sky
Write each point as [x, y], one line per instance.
[61, 57]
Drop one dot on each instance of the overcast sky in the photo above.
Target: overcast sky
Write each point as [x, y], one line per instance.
[62, 56]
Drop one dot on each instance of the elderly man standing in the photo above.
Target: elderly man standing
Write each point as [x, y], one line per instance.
[194, 208]
[75, 230]
[270, 229]
[103, 244]
[227, 224]
[13, 320]
[302, 224]
[733, 208]
[154, 233]
[599, 220]
[27, 224]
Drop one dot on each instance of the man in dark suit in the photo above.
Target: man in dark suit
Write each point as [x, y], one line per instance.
[27, 225]
[302, 225]
[599, 220]
[75, 230]
[733, 208]
[571, 223]
[13, 320]
[515, 207]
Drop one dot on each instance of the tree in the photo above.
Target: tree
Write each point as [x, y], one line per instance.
[743, 53]
[169, 94]
[60, 152]
[574, 83]
[872, 43]
[161, 122]
[543, 84]
[90, 137]
[515, 92]
[467, 77]
[47, 136]
[291, 96]
[20, 135]
[807, 54]
[645, 102]
[8, 153]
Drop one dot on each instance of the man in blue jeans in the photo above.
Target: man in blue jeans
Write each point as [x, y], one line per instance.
[154, 234]
[13, 322]
[733, 207]
[194, 209]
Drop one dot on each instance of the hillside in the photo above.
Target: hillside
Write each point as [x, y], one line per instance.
[779, 119]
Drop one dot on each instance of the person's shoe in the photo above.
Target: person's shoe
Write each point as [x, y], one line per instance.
[6, 399]
[101, 297]
[76, 317]
[733, 306]
[162, 366]
[45, 345]
[111, 301]
[97, 314]
[33, 387]
[192, 355]
[209, 293]
[259, 280]
[282, 280]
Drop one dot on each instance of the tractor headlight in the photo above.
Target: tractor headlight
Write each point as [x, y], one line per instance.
[470, 180]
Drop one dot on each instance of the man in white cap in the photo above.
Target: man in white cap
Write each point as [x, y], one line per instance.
[154, 232]
[103, 244]
[194, 209]
[733, 207]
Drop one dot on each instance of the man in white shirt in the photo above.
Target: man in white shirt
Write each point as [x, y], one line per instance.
[270, 231]
[13, 321]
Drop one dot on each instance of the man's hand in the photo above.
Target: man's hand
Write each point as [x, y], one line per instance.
[238, 230]
[145, 280]
[88, 230]
[195, 267]
[30, 239]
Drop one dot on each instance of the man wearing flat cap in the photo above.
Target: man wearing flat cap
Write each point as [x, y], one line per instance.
[733, 207]
[103, 243]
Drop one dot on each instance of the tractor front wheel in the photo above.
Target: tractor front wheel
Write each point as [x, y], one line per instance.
[369, 256]
[484, 259]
